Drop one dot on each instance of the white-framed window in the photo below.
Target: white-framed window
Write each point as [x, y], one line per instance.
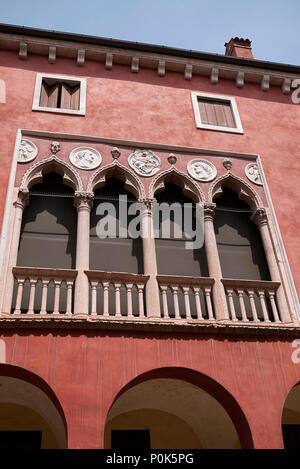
[59, 93]
[216, 112]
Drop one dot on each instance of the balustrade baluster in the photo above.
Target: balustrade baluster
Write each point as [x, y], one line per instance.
[262, 300]
[240, 293]
[187, 302]
[105, 298]
[57, 283]
[196, 291]
[207, 292]
[94, 286]
[140, 287]
[164, 289]
[117, 286]
[174, 289]
[129, 299]
[250, 293]
[21, 281]
[69, 296]
[271, 294]
[45, 283]
[231, 304]
[33, 282]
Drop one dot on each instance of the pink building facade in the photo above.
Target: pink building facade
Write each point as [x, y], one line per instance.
[89, 348]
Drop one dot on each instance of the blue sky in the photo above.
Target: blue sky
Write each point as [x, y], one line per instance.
[272, 25]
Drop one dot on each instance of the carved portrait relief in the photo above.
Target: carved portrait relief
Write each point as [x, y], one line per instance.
[85, 158]
[201, 170]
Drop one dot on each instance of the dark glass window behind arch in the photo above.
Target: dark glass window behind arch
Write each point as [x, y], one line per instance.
[49, 224]
[238, 239]
[114, 254]
[172, 256]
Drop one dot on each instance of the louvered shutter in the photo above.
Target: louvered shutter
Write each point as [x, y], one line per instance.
[69, 96]
[49, 95]
[216, 113]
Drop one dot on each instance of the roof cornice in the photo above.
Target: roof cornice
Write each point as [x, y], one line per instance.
[138, 55]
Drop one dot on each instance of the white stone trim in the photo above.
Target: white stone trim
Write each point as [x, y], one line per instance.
[277, 233]
[138, 144]
[8, 209]
[65, 78]
[218, 97]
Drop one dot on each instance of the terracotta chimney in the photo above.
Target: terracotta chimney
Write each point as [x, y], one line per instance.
[239, 47]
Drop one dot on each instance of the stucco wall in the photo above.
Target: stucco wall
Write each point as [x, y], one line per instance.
[88, 370]
[146, 107]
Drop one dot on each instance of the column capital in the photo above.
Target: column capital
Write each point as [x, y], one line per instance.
[83, 200]
[148, 203]
[260, 216]
[209, 211]
[23, 198]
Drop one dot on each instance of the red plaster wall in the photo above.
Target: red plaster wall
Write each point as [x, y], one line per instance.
[87, 370]
[149, 108]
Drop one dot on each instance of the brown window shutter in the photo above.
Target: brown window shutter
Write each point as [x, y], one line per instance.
[49, 95]
[207, 112]
[229, 115]
[203, 113]
[216, 113]
[75, 95]
[65, 102]
[220, 114]
[44, 95]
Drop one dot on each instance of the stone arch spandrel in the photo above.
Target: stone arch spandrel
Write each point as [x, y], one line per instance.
[34, 174]
[188, 186]
[131, 182]
[240, 186]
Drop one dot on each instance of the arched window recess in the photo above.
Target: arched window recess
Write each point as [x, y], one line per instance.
[42, 256]
[248, 264]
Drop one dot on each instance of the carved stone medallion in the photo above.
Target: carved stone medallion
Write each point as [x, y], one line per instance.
[253, 174]
[85, 158]
[27, 151]
[144, 162]
[201, 170]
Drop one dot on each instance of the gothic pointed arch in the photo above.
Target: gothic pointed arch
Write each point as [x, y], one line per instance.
[131, 182]
[34, 174]
[186, 183]
[242, 188]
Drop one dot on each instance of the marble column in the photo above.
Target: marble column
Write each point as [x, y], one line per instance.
[83, 202]
[213, 261]
[260, 218]
[149, 258]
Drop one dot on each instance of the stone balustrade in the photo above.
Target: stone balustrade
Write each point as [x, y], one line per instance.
[121, 295]
[186, 298]
[252, 300]
[117, 294]
[43, 291]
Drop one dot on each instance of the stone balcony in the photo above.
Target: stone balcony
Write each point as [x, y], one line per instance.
[45, 297]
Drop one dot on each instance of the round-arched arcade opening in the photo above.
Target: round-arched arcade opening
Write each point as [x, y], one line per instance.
[164, 411]
[291, 419]
[30, 414]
